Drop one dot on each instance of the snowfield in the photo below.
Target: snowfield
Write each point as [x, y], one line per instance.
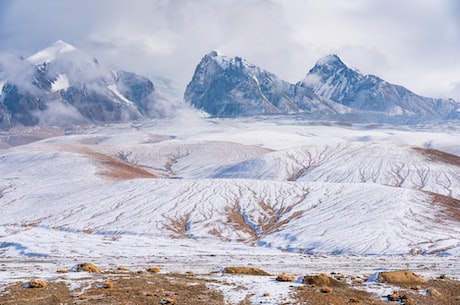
[213, 193]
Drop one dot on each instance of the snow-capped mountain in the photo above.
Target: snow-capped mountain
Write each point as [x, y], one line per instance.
[62, 85]
[333, 79]
[230, 87]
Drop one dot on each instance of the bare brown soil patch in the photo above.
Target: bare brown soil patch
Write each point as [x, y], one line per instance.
[53, 293]
[26, 135]
[119, 289]
[245, 271]
[432, 292]
[334, 292]
[439, 156]
[410, 289]
[116, 169]
[271, 221]
[451, 206]
[115, 287]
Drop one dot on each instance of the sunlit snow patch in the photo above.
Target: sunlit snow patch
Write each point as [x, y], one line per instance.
[61, 83]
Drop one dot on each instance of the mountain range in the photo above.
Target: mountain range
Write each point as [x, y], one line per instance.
[231, 87]
[62, 85]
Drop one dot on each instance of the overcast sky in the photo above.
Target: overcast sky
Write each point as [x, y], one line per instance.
[415, 43]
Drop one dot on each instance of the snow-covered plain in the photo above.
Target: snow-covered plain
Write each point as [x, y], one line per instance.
[211, 193]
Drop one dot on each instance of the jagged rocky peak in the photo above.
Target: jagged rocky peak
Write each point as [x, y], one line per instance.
[333, 79]
[224, 86]
[229, 87]
[329, 73]
[223, 62]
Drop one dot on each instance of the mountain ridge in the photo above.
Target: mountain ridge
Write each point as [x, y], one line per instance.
[63, 86]
[331, 89]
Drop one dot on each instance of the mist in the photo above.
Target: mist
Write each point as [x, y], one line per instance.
[411, 43]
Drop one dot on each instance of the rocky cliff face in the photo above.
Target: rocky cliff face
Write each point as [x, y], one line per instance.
[61, 85]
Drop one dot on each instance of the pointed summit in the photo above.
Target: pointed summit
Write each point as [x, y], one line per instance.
[50, 53]
[331, 64]
[214, 53]
[331, 59]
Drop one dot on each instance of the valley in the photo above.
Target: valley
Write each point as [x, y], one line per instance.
[201, 194]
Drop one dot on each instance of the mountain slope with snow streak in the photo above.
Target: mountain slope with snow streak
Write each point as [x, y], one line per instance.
[379, 163]
[337, 196]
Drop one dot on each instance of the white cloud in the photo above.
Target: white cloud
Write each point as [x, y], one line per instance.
[411, 42]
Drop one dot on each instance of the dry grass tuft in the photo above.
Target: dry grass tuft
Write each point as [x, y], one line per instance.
[62, 271]
[408, 301]
[121, 268]
[320, 280]
[353, 300]
[83, 297]
[168, 301]
[107, 285]
[400, 277]
[433, 293]
[245, 271]
[153, 269]
[87, 267]
[326, 289]
[36, 284]
[285, 278]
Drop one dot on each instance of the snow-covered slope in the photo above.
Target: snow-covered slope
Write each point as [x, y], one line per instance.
[314, 189]
[62, 85]
[370, 162]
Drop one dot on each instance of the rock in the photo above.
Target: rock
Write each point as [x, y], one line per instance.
[36, 284]
[393, 297]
